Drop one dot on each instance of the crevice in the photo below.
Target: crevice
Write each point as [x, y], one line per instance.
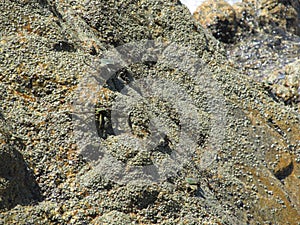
[284, 172]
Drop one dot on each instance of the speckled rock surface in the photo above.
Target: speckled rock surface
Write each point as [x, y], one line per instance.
[46, 48]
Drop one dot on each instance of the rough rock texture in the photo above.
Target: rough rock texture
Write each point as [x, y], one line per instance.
[278, 13]
[17, 184]
[46, 48]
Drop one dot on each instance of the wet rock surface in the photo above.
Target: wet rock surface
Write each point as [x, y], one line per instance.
[273, 60]
[48, 47]
[264, 43]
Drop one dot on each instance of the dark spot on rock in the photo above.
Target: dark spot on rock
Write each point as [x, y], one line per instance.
[64, 46]
[146, 198]
[93, 51]
[284, 172]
